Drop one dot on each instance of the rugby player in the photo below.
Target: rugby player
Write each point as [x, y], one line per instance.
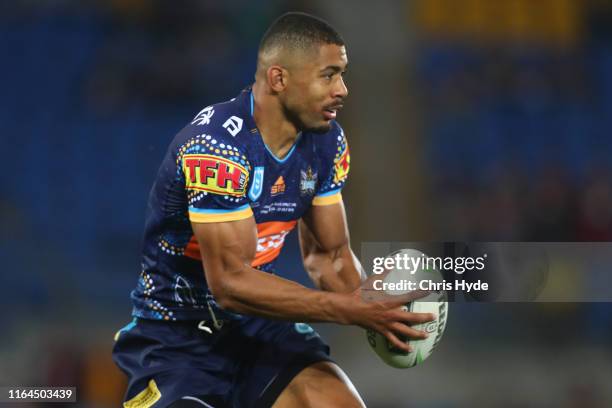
[214, 324]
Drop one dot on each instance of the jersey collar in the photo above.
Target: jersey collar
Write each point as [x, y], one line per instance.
[248, 105]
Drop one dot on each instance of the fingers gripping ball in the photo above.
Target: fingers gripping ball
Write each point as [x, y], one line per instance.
[421, 349]
[435, 302]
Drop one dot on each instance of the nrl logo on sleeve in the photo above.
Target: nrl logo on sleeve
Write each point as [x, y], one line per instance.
[308, 182]
[257, 184]
[203, 118]
[214, 174]
[341, 166]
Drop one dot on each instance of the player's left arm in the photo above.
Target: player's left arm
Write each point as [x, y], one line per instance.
[326, 250]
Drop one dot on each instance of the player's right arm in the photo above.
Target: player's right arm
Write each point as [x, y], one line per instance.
[227, 251]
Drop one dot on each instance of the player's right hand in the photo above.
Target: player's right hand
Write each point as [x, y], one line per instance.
[386, 314]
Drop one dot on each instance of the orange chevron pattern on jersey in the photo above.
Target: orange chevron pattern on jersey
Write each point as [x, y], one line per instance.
[270, 240]
[192, 250]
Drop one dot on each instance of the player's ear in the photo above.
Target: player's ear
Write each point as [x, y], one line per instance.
[277, 78]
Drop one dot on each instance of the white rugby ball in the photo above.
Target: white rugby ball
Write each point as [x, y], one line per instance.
[435, 302]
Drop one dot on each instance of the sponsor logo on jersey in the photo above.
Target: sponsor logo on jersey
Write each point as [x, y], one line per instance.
[273, 241]
[233, 125]
[308, 182]
[278, 206]
[203, 118]
[341, 167]
[214, 174]
[270, 240]
[278, 187]
[257, 184]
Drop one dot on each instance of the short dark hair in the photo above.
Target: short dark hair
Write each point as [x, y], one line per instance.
[299, 30]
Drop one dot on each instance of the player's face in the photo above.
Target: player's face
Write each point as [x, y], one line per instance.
[317, 89]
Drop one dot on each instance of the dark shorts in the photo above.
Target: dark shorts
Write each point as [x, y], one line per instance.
[247, 363]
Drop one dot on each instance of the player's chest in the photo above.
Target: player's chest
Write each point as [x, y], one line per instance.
[283, 190]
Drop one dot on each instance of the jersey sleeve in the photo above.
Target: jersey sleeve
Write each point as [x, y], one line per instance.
[329, 191]
[216, 174]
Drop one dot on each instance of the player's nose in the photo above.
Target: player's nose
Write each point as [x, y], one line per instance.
[340, 91]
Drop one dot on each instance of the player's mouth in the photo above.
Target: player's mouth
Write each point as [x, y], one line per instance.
[331, 111]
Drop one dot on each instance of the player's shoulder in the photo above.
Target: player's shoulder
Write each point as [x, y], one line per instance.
[332, 143]
[333, 136]
[334, 161]
[219, 125]
[208, 149]
[225, 119]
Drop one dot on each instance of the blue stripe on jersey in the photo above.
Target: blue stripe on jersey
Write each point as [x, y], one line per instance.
[329, 193]
[288, 154]
[205, 211]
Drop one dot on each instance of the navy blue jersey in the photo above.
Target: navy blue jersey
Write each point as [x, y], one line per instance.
[218, 169]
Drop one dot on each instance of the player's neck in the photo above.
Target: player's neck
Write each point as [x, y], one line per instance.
[277, 132]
